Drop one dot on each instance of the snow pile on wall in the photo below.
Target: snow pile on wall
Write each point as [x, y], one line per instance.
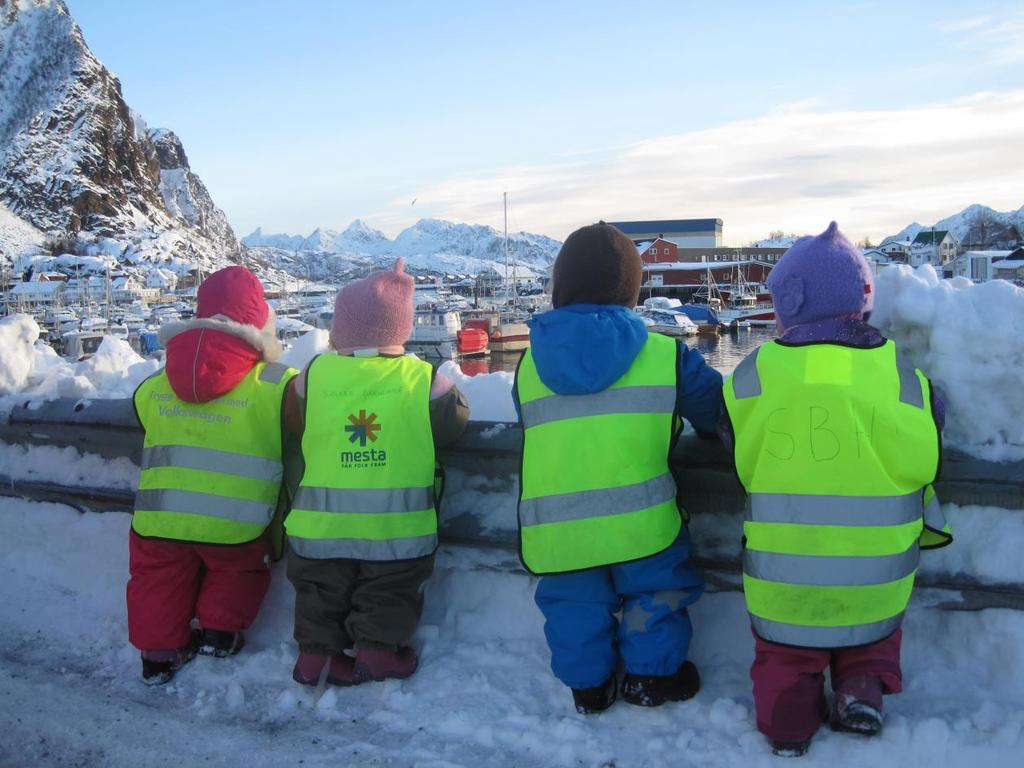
[305, 348]
[489, 394]
[18, 334]
[35, 370]
[969, 340]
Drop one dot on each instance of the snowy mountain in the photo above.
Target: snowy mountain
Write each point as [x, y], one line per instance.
[783, 241]
[430, 246]
[976, 226]
[79, 166]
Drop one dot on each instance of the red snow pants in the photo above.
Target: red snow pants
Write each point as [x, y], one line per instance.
[789, 681]
[173, 582]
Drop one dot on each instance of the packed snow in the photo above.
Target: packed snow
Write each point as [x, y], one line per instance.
[969, 340]
[32, 370]
[483, 689]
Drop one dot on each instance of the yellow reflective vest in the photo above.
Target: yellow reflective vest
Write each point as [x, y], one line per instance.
[211, 472]
[837, 448]
[596, 488]
[367, 491]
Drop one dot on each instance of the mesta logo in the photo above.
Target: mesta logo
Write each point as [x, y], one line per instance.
[362, 428]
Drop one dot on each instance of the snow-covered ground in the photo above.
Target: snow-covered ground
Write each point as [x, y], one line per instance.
[70, 692]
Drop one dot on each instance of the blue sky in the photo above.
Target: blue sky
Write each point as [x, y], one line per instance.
[315, 113]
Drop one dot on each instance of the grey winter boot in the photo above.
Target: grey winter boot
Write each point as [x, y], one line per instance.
[858, 706]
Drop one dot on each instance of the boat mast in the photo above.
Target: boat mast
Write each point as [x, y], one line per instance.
[504, 197]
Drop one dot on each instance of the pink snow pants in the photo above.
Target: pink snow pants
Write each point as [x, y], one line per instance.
[789, 681]
[173, 582]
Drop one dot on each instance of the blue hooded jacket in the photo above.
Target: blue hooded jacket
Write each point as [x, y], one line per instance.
[584, 348]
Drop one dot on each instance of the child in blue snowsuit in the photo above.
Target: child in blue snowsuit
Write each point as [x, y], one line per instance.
[600, 401]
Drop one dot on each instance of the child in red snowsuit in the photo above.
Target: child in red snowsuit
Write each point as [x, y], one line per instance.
[211, 479]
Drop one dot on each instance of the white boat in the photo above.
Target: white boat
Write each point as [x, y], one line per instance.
[289, 329]
[79, 345]
[435, 333]
[668, 322]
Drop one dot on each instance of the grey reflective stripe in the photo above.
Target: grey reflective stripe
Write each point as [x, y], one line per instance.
[212, 460]
[364, 549]
[272, 373]
[818, 571]
[934, 517]
[746, 382]
[825, 637]
[598, 502]
[834, 510]
[206, 504]
[364, 500]
[911, 391]
[654, 399]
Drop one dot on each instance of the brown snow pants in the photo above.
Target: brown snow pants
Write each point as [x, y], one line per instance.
[342, 603]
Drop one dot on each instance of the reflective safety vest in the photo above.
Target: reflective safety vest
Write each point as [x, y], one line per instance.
[596, 488]
[211, 472]
[837, 448]
[367, 492]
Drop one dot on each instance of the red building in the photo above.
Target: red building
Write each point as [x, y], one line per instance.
[661, 251]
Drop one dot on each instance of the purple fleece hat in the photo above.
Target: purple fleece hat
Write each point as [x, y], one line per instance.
[821, 277]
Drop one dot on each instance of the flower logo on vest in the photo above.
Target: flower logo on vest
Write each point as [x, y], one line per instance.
[362, 428]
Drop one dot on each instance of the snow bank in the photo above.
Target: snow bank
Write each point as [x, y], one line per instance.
[489, 394]
[483, 695]
[66, 466]
[18, 334]
[34, 370]
[969, 340]
[305, 348]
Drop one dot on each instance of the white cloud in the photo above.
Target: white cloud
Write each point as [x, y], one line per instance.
[792, 169]
[996, 40]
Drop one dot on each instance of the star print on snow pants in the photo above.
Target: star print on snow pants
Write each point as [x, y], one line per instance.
[654, 634]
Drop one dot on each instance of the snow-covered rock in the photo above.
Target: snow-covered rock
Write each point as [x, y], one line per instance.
[76, 162]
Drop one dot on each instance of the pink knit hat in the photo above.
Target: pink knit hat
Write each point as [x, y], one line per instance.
[375, 312]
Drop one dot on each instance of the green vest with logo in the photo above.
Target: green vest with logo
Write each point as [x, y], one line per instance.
[596, 488]
[837, 448]
[211, 472]
[367, 492]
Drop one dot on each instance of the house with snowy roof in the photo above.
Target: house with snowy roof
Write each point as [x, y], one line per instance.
[933, 246]
[1011, 268]
[877, 258]
[36, 293]
[975, 265]
[896, 249]
[497, 276]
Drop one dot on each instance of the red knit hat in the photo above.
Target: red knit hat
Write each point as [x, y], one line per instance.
[374, 312]
[236, 294]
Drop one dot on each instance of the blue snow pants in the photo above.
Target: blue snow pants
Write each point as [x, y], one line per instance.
[653, 637]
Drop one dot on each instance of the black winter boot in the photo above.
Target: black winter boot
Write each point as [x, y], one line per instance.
[790, 748]
[590, 701]
[220, 643]
[655, 690]
[158, 667]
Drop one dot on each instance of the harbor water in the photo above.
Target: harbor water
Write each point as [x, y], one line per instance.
[723, 352]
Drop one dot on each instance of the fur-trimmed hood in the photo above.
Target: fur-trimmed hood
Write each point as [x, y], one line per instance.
[208, 357]
[263, 340]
